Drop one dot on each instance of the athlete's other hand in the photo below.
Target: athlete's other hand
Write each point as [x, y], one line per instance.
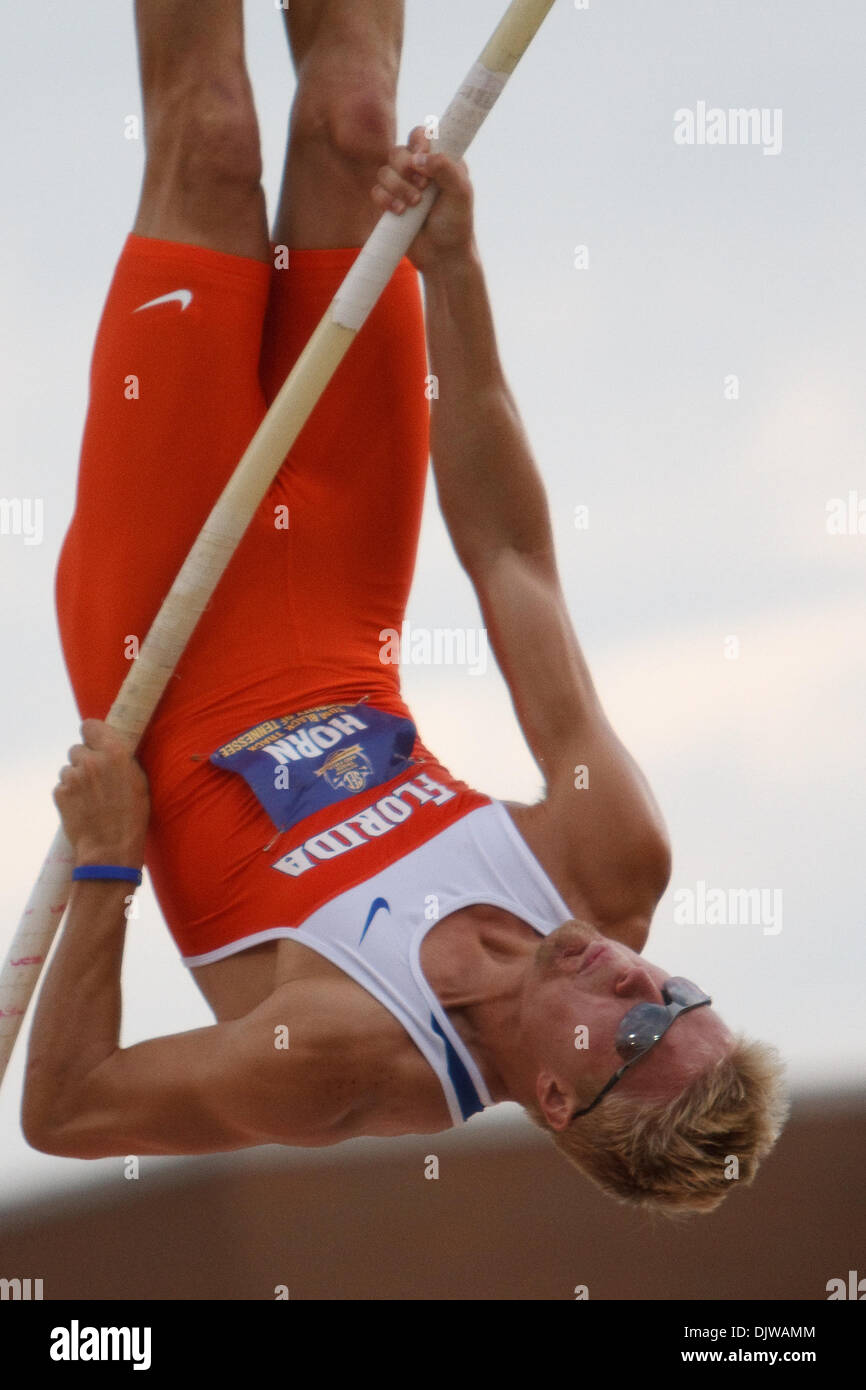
[103, 799]
[448, 230]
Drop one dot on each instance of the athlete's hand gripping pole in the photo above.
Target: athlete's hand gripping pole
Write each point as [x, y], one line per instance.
[233, 512]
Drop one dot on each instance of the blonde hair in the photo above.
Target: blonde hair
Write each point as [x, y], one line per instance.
[675, 1157]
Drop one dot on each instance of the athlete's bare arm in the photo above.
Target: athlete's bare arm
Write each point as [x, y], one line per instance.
[610, 834]
[211, 1090]
[229, 1086]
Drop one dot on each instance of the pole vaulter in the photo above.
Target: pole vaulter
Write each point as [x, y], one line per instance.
[233, 512]
[436, 950]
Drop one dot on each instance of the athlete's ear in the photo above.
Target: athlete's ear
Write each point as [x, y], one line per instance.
[556, 1104]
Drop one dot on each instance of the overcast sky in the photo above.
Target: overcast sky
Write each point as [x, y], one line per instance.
[692, 378]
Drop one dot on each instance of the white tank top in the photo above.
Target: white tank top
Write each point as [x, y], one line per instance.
[374, 931]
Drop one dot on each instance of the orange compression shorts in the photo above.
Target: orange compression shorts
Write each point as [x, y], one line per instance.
[192, 347]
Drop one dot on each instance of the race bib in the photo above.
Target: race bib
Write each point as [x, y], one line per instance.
[299, 763]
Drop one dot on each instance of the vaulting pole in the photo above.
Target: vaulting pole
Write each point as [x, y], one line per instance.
[204, 566]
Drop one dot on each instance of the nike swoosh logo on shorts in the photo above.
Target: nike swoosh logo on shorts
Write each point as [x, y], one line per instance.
[183, 297]
[375, 906]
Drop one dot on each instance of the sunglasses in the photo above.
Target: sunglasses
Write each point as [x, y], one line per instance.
[641, 1028]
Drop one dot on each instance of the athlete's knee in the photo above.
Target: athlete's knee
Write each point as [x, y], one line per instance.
[356, 121]
[204, 133]
[363, 127]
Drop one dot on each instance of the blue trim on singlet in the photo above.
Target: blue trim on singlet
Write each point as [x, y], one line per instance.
[464, 1087]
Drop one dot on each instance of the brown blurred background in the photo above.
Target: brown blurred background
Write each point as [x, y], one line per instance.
[507, 1218]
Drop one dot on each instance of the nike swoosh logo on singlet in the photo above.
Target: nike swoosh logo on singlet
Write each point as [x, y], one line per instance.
[183, 297]
[375, 905]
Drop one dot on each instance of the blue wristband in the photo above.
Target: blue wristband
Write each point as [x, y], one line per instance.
[107, 871]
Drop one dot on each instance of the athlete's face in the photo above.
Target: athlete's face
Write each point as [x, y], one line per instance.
[579, 987]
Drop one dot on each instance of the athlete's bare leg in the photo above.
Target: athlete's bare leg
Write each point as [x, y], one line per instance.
[342, 125]
[203, 168]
